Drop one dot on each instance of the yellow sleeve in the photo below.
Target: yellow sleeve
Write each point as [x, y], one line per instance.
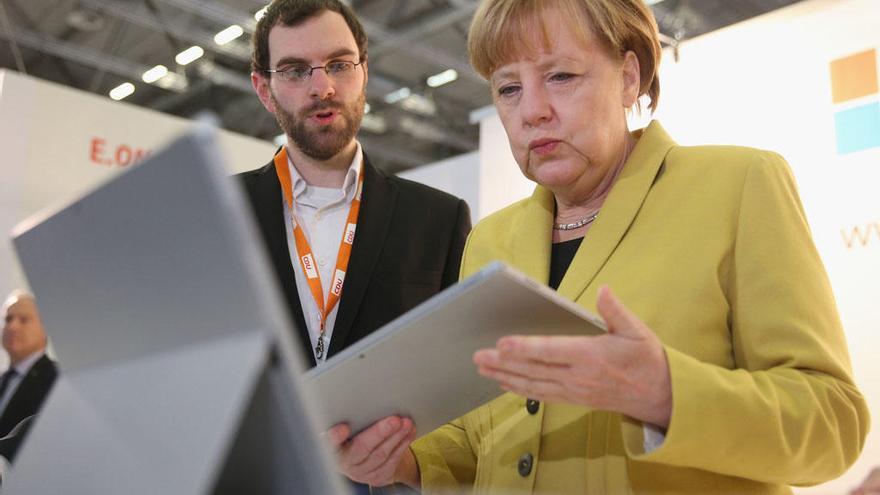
[446, 459]
[789, 413]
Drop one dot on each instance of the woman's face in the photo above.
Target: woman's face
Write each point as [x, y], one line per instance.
[564, 107]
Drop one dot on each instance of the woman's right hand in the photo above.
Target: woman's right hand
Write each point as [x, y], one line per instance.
[379, 455]
[871, 485]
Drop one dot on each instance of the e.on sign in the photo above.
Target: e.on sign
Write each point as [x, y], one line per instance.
[114, 155]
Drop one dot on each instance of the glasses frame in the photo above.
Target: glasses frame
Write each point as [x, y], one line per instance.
[325, 68]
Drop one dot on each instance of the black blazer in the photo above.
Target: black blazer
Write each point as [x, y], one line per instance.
[30, 394]
[408, 246]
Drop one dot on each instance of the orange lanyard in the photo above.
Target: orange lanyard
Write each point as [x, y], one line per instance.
[304, 251]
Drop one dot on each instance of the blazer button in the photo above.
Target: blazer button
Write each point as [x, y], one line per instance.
[524, 466]
[532, 406]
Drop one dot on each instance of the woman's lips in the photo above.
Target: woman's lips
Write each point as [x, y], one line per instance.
[543, 146]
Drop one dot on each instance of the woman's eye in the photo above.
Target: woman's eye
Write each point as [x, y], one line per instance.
[561, 77]
[507, 91]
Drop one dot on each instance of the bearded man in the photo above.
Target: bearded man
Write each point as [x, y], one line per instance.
[353, 248]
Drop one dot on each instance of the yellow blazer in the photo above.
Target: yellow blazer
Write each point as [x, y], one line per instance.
[709, 245]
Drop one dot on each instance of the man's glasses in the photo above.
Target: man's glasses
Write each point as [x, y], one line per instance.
[339, 70]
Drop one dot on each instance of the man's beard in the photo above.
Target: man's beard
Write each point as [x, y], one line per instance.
[327, 141]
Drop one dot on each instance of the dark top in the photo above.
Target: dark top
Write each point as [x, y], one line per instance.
[560, 258]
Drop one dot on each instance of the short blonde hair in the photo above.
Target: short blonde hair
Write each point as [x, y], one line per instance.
[498, 33]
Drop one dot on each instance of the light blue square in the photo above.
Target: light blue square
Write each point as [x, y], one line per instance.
[858, 128]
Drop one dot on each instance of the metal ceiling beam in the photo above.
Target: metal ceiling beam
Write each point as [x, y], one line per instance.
[7, 28]
[166, 103]
[421, 51]
[116, 65]
[216, 12]
[62, 49]
[424, 28]
[177, 28]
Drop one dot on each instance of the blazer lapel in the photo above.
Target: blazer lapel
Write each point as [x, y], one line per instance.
[619, 211]
[269, 211]
[532, 235]
[374, 221]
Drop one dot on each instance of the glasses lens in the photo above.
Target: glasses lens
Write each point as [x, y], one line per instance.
[339, 68]
[296, 73]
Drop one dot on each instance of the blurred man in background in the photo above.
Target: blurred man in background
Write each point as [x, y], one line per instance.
[26, 383]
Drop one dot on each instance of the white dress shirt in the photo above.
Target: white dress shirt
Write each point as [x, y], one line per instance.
[322, 213]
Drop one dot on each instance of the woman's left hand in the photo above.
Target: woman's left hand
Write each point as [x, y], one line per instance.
[624, 370]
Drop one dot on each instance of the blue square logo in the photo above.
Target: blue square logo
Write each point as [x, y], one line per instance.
[858, 128]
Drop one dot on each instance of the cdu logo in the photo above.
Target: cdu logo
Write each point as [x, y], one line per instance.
[338, 280]
[857, 102]
[349, 233]
[309, 264]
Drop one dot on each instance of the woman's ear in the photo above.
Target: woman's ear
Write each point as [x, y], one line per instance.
[632, 79]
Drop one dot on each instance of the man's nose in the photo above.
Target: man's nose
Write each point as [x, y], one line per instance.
[321, 85]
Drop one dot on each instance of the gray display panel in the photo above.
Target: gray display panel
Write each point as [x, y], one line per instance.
[179, 373]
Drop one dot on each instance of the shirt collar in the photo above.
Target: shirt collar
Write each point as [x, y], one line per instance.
[349, 185]
[25, 364]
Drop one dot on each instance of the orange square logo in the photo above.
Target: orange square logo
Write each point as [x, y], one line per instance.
[854, 76]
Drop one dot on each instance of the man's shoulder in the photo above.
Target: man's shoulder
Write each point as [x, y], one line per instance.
[259, 183]
[45, 365]
[410, 188]
[256, 174]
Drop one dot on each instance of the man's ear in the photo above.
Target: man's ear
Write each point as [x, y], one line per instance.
[366, 74]
[261, 85]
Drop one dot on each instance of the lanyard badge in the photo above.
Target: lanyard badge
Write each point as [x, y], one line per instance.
[304, 250]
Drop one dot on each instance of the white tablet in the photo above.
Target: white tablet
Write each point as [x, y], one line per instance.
[420, 365]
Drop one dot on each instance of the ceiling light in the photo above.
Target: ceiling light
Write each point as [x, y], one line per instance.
[190, 54]
[367, 108]
[228, 34]
[121, 91]
[419, 104]
[374, 123]
[397, 95]
[445, 77]
[154, 74]
[260, 13]
[173, 81]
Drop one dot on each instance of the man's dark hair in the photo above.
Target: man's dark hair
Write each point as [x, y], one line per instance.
[294, 12]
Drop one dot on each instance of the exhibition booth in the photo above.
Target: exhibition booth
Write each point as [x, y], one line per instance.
[801, 81]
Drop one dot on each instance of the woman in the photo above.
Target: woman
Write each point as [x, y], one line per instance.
[724, 370]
